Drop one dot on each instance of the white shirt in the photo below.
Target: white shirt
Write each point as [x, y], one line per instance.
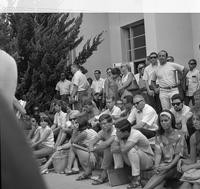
[116, 111]
[148, 72]
[80, 80]
[98, 85]
[165, 74]
[60, 119]
[49, 141]
[64, 87]
[148, 115]
[182, 116]
[193, 80]
[140, 141]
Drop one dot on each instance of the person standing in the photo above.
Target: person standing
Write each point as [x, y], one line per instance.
[80, 87]
[192, 82]
[63, 88]
[165, 74]
[153, 97]
[97, 89]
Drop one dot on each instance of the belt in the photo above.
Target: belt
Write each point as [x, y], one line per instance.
[172, 87]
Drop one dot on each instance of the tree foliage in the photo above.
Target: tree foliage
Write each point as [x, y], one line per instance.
[43, 43]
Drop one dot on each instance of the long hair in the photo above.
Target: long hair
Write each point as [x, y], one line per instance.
[173, 122]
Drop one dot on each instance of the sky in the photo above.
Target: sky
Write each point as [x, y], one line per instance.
[100, 6]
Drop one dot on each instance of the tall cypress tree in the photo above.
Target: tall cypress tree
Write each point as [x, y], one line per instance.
[44, 44]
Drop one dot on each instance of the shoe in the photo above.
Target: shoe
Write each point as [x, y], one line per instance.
[71, 173]
[99, 181]
[44, 171]
[84, 176]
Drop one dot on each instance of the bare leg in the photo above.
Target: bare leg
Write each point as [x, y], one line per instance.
[48, 163]
[71, 159]
[196, 186]
[186, 185]
[43, 152]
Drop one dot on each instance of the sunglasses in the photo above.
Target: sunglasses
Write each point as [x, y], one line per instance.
[136, 103]
[192, 63]
[153, 57]
[72, 119]
[176, 104]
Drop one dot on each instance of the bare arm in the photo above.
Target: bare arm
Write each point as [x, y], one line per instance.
[42, 139]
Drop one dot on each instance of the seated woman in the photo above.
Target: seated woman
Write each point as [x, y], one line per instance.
[43, 142]
[68, 129]
[135, 150]
[192, 164]
[169, 148]
[81, 137]
[34, 128]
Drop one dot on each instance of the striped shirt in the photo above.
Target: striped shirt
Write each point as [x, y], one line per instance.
[91, 134]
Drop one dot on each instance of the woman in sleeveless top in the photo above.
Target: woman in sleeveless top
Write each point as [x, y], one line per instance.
[43, 143]
[80, 139]
[128, 84]
[191, 166]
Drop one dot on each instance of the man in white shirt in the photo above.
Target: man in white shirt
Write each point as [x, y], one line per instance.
[154, 99]
[80, 87]
[166, 76]
[181, 112]
[143, 117]
[97, 89]
[112, 110]
[63, 88]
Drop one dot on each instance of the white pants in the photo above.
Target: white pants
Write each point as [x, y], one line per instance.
[137, 159]
[165, 97]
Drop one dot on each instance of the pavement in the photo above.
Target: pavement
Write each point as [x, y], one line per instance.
[61, 181]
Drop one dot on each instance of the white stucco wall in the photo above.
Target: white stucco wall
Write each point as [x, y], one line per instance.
[195, 18]
[171, 32]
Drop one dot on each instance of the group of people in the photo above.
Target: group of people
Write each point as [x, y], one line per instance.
[143, 121]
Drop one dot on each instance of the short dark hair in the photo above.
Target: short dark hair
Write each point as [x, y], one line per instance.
[129, 99]
[177, 96]
[46, 119]
[153, 53]
[76, 65]
[164, 52]
[123, 125]
[108, 69]
[194, 60]
[173, 122]
[82, 121]
[106, 117]
[97, 71]
[115, 71]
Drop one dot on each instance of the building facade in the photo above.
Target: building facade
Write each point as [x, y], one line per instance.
[130, 37]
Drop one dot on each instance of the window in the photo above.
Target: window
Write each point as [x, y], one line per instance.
[134, 43]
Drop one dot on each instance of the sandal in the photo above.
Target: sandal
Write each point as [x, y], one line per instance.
[71, 173]
[134, 185]
[84, 176]
[44, 171]
[100, 181]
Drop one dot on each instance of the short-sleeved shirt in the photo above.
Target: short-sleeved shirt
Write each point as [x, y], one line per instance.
[80, 80]
[181, 115]
[116, 111]
[60, 119]
[165, 74]
[148, 72]
[141, 141]
[64, 87]
[91, 135]
[105, 136]
[170, 146]
[148, 115]
[193, 79]
[98, 85]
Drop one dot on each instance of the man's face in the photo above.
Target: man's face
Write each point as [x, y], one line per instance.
[162, 57]
[127, 105]
[192, 65]
[139, 103]
[153, 58]
[62, 76]
[97, 75]
[110, 104]
[177, 104]
[73, 69]
[106, 127]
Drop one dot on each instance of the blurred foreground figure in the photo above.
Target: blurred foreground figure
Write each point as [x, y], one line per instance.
[18, 168]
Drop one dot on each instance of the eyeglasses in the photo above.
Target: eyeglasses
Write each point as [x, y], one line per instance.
[153, 57]
[72, 119]
[136, 103]
[176, 104]
[192, 63]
